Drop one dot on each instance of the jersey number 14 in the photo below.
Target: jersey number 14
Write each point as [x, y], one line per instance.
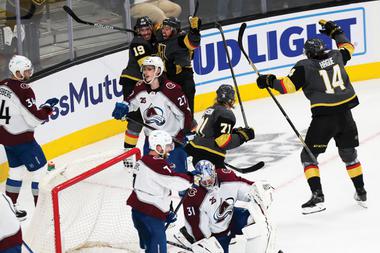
[337, 80]
[4, 112]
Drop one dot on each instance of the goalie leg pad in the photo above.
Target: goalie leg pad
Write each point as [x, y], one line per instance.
[207, 245]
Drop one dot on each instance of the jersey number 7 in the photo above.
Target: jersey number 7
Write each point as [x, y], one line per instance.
[4, 112]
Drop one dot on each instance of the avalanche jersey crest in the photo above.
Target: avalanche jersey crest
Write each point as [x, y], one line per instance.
[154, 115]
[224, 210]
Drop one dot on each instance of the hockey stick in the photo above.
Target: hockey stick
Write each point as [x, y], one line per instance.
[69, 11]
[219, 27]
[179, 245]
[196, 8]
[240, 41]
[27, 247]
[252, 168]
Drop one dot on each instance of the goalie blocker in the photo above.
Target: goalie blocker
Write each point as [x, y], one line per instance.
[211, 215]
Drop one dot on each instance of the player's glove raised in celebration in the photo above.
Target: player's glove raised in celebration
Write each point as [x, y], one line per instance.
[121, 110]
[195, 23]
[245, 133]
[264, 81]
[330, 28]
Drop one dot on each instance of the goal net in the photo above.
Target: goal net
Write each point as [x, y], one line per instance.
[82, 207]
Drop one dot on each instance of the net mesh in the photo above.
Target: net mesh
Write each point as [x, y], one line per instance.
[93, 212]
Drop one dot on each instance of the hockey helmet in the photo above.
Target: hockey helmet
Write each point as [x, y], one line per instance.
[155, 61]
[225, 94]
[163, 139]
[207, 173]
[172, 22]
[314, 48]
[20, 63]
[143, 21]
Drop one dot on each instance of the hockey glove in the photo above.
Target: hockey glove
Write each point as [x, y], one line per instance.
[121, 110]
[264, 81]
[330, 28]
[171, 217]
[50, 103]
[245, 133]
[195, 23]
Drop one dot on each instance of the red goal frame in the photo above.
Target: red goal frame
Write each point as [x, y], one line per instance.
[74, 180]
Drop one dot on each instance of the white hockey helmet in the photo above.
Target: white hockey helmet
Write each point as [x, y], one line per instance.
[155, 61]
[20, 63]
[161, 138]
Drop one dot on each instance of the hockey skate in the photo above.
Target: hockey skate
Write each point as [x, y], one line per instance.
[315, 204]
[361, 197]
[20, 214]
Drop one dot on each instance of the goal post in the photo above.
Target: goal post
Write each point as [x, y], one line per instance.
[83, 205]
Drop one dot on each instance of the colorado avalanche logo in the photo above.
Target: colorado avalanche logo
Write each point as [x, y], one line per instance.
[154, 115]
[225, 209]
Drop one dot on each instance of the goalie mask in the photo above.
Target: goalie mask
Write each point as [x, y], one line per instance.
[163, 140]
[208, 173]
[20, 64]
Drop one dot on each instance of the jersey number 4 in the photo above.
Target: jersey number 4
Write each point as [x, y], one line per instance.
[4, 112]
[337, 80]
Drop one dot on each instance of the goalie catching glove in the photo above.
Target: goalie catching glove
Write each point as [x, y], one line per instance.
[207, 245]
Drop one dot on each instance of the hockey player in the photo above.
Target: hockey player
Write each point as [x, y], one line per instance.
[10, 229]
[19, 117]
[326, 84]
[142, 46]
[162, 105]
[216, 133]
[176, 48]
[212, 219]
[152, 185]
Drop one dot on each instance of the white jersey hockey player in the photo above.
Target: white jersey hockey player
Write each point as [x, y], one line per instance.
[212, 219]
[163, 106]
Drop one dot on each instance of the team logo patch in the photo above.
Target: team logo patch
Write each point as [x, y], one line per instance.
[24, 86]
[224, 210]
[155, 115]
[191, 192]
[170, 85]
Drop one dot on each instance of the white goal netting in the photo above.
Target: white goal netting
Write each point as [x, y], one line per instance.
[93, 211]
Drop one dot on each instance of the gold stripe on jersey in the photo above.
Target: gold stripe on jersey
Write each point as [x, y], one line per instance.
[130, 77]
[287, 85]
[334, 104]
[188, 43]
[140, 61]
[207, 149]
[348, 46]
[223, 140]
[311, 171]
[354, 170]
